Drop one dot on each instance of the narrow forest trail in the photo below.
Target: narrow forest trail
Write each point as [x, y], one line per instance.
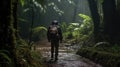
[67, 56]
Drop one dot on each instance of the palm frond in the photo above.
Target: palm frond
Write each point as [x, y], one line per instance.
[39, 28]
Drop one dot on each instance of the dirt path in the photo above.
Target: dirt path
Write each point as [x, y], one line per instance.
[66, 58]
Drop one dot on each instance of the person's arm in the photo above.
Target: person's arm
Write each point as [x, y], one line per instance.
[48, 34]
[60, 34]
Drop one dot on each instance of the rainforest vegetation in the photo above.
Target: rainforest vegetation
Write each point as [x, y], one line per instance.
[92, 24]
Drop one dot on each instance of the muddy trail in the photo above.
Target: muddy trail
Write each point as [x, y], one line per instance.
[66, 58]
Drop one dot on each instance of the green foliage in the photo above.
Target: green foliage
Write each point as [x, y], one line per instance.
[77, 31]
[107, 59]
[70, 1]
[39, 28]
[4, 55]
[86, 28]
[37, 57]
[108, 48]
[6, 59]
[74, 28]
[23, 52]
[39, 33]
[63, 26]
[85, 17]
[42, 2]
[22, 2]
[115, 49]
[22, 20]
[69, 30]
[27, 57]
[55, 7]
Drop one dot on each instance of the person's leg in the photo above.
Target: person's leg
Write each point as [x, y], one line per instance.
[56, 50]
[52, 50]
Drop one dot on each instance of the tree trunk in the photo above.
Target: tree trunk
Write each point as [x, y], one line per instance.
[7, 39]
[15, 7]
[95, 16]
[75, 10]
[111, 24]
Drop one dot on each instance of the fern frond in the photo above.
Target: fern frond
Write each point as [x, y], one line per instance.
[5, 56]
[39, 28]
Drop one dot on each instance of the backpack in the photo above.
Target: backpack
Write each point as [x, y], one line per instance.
[54, 30]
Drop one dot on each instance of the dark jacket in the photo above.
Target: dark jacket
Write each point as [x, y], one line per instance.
[52, 37]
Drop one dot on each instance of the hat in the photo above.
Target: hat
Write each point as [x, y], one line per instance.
[54, 22]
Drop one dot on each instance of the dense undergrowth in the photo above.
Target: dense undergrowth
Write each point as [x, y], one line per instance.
[25, 56]
[104, 55]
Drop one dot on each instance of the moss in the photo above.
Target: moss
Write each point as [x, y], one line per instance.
[104, 58]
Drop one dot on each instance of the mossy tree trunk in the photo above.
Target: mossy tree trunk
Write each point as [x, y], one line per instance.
[7, 28]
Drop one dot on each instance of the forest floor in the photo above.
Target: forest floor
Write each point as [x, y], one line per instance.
[67, 56]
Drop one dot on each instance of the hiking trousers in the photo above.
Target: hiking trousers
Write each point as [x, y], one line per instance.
[54, 49]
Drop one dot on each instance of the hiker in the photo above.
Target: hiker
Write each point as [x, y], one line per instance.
[54, 35]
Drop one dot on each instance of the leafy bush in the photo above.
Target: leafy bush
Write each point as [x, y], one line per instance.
[39, 33]
[6, 60]
[78, 31]
[107, 57]
[25, 56]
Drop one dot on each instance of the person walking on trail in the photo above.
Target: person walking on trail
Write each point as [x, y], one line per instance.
[54, 35]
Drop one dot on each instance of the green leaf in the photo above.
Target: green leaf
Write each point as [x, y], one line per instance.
[70, 1]
[4, 55]
[42, 2]
[23, 20]
[84, 16]
[22, 2]
[39, 28]
[75, 24]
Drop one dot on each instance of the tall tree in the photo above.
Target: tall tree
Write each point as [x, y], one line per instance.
[111, 24]
[75, 10]
[95, 16]
[7, 28]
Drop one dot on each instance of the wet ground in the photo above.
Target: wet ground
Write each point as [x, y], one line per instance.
[66, 58]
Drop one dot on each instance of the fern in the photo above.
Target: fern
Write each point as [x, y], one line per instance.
[38, 29]
[3, 54]
[85, 17]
